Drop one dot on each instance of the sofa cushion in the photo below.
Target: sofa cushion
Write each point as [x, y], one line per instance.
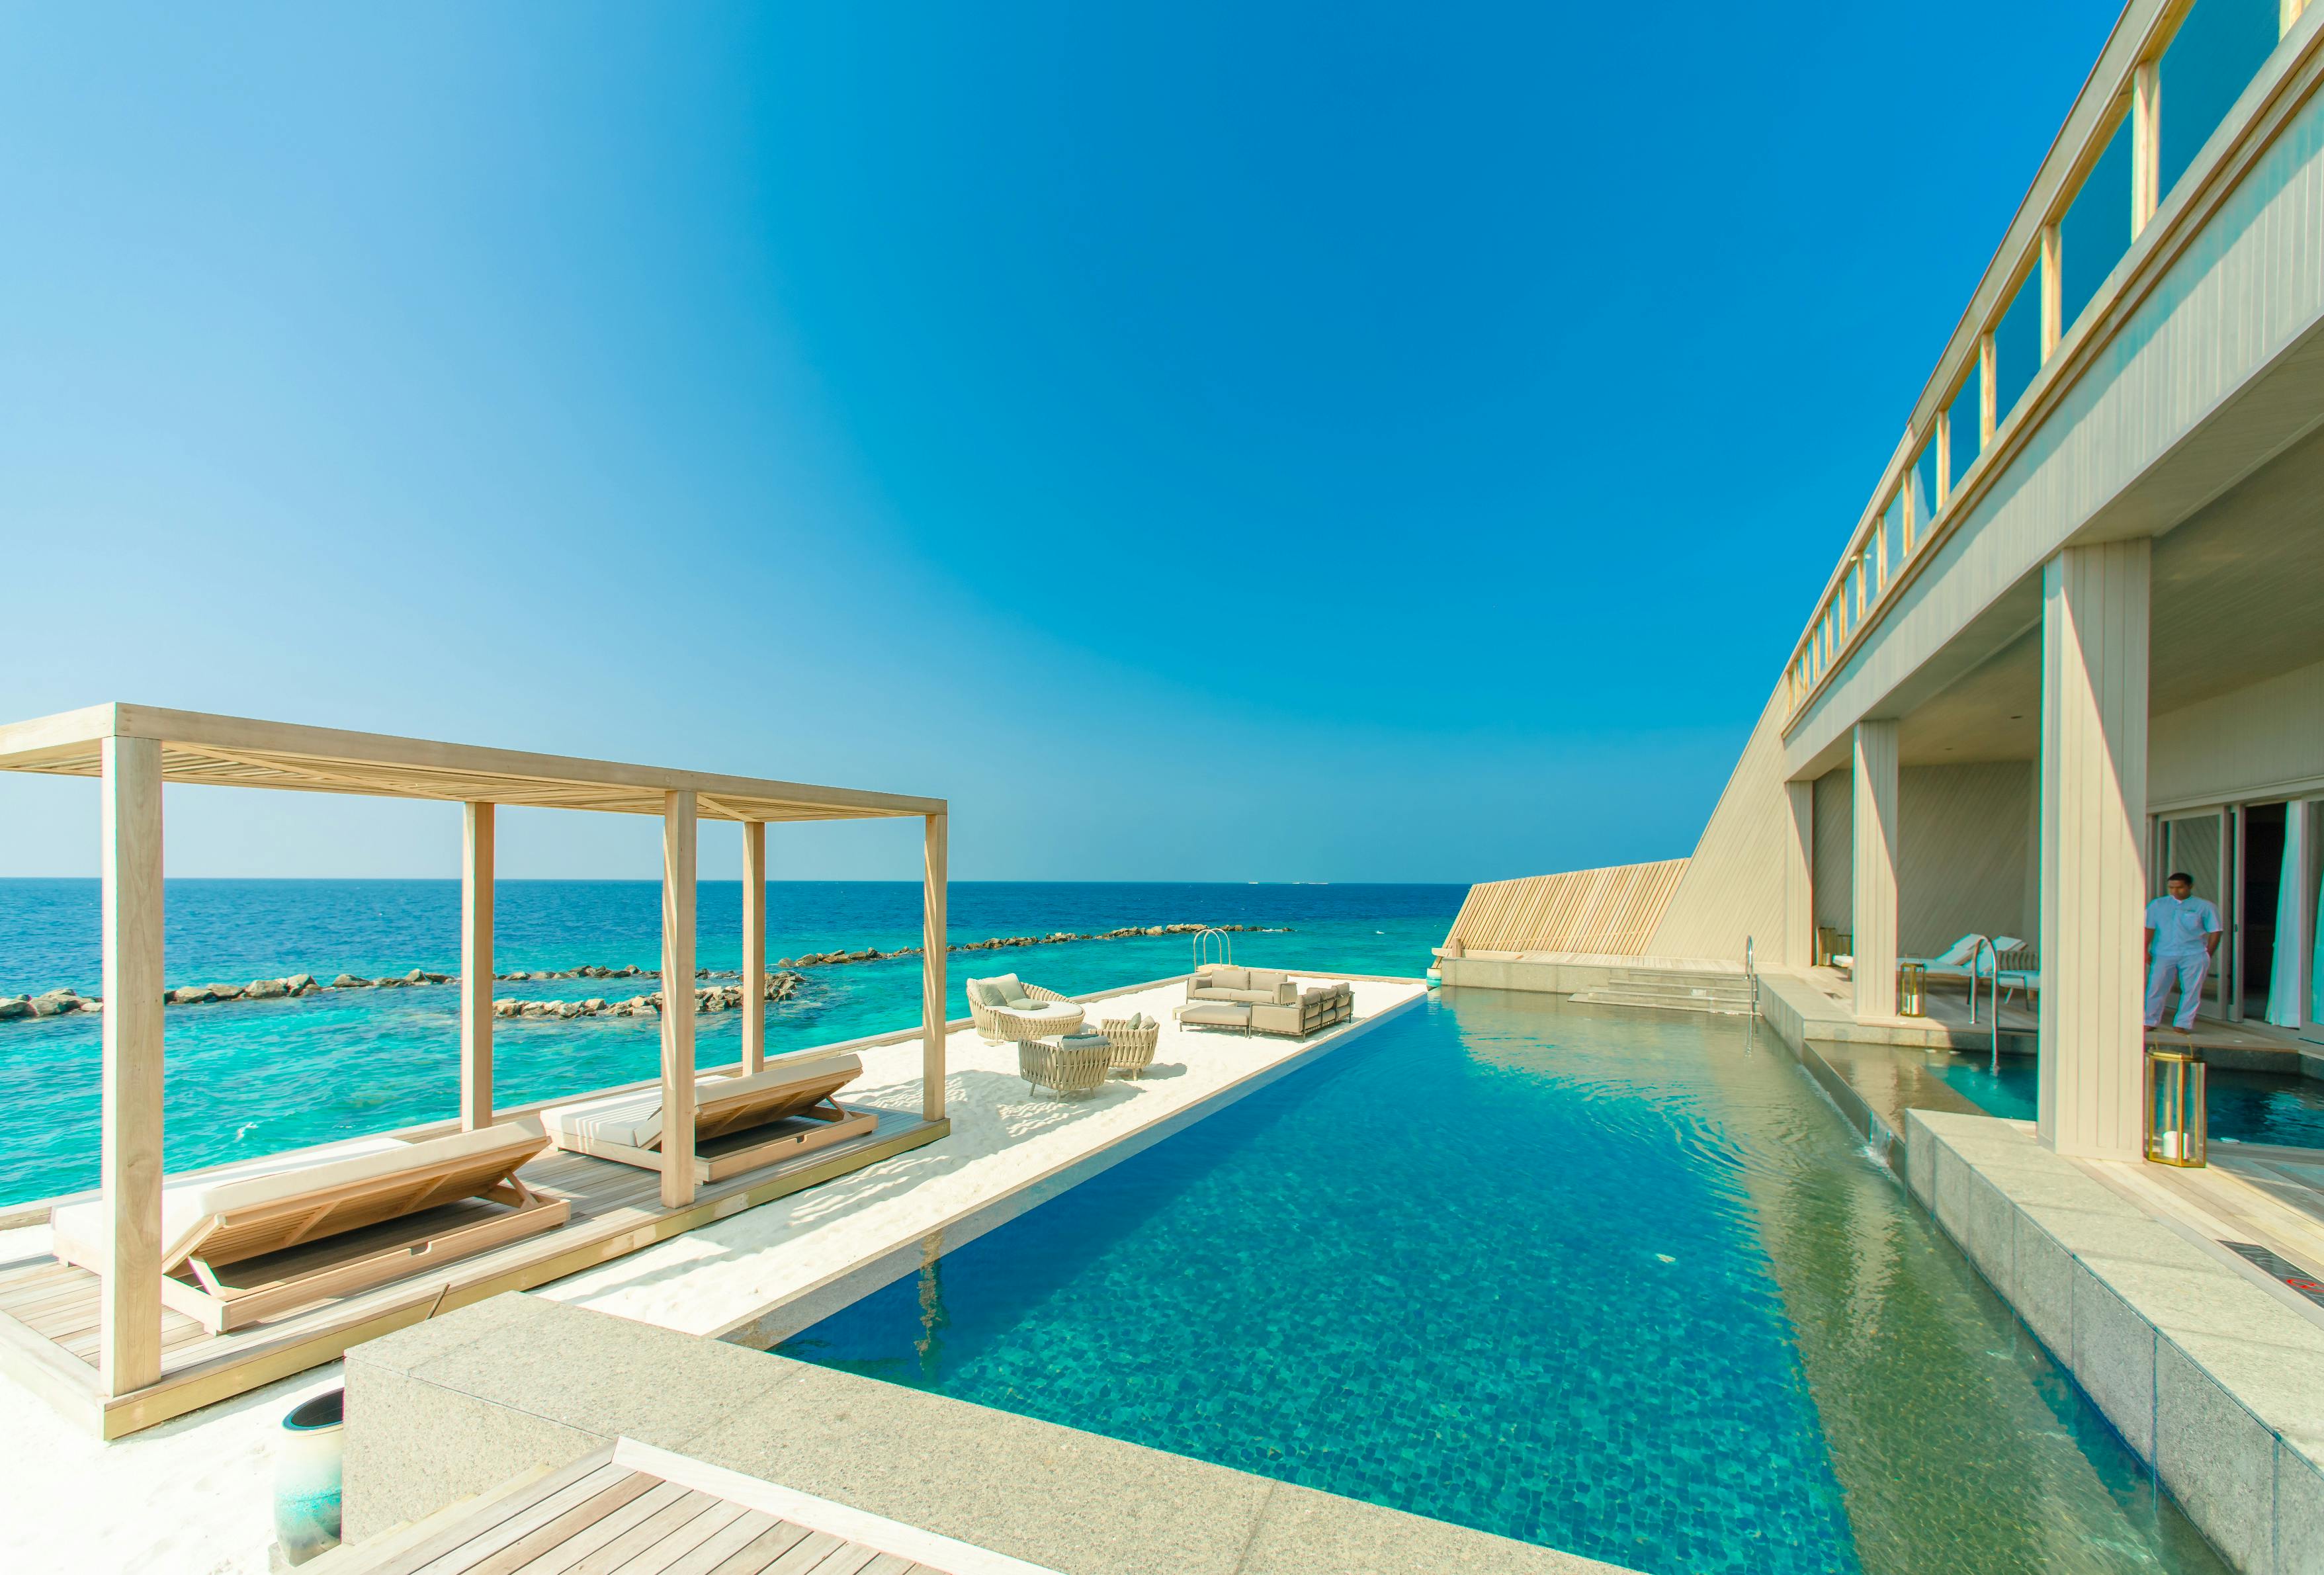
[1270, 980]
[1226, 979]
[994, 992]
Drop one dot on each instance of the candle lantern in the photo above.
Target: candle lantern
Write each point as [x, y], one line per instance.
[2175, 1119]
[1911, 977]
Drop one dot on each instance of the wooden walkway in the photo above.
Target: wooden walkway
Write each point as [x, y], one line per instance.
[49, 1309]
[631, 1510]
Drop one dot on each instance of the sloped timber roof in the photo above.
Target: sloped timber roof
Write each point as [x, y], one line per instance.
[234, 751]
[1613, 910]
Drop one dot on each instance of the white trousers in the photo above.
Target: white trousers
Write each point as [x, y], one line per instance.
[2188, 971]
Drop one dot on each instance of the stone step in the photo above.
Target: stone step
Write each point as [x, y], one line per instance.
[1722, 1005]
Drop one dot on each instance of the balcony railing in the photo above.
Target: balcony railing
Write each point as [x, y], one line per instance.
[2169, 90]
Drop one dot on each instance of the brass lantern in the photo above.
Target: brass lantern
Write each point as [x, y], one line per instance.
[1912, 978]
[2175, 1119]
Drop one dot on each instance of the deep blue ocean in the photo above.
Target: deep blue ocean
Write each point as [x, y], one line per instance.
[252, 1078]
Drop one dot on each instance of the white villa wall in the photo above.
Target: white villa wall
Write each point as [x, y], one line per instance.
[2250, 743]
[1734, 884]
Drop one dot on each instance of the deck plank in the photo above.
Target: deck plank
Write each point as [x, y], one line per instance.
[812, 1550]
[762, 1551]
[672, 1547]
[543, 1523]
[566, 1555]
[731, 1539]
[689, 1505]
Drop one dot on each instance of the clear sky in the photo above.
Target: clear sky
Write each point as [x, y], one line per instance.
[1202, 441]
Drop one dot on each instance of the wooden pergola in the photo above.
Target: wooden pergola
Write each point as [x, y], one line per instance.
[133, 750]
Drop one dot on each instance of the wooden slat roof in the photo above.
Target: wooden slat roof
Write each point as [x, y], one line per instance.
[235, 751]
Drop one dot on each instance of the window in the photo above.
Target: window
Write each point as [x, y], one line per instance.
[2016, 347]
[2217, 52]
[1922, 482]
[1964, 438]
[1892, 531]
[2094, 230]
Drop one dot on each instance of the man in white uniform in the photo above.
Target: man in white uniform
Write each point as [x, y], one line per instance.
[2182, 933]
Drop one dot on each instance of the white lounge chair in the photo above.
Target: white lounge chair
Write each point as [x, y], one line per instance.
[246, 1242]
[740, 1123]
[1964, 959]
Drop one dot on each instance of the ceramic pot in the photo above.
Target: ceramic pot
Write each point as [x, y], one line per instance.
[306, 1478]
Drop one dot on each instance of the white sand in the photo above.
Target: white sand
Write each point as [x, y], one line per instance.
[195, 1497]
[192, 1496]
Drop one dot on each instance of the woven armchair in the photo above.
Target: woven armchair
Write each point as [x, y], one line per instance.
[1133, 1047]
[1075, 1065]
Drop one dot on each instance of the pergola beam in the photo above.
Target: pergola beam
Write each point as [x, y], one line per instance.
[129, 1308]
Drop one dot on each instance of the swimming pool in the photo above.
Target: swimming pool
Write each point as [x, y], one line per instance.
[2244, 1106]
[1615, 1283]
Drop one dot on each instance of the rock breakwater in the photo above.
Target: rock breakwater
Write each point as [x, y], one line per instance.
[781, 985]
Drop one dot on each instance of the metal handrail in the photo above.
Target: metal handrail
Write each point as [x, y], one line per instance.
[1226, 947]
[1751, 970]
[1985, 947]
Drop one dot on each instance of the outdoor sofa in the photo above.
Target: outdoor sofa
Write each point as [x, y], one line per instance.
[1263, 1000]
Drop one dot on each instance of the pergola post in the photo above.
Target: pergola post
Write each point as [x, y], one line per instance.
[129, 1310]
[932, 971]
[475, 966]
[2095, 603]
[1874, 924]
[677, 846]
[754, 946]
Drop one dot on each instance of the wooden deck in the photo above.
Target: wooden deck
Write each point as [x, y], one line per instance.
[640, 1510]
[49, 1331]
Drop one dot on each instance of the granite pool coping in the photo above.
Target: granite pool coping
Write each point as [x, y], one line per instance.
[2216, 1383]
[456, 1406]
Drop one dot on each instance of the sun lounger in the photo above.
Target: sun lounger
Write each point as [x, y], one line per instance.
[740, 1123]
[243, 1242]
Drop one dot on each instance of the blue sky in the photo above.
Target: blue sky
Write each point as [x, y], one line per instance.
[1202, 442]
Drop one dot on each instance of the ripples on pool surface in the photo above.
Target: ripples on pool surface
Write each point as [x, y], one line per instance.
[1620, 1284]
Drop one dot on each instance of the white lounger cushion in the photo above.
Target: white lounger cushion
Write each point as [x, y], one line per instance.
[633, 1120]
[190, 1201]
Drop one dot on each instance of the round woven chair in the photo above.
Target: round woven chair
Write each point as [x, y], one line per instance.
[1076, 1063]
[1026, 1027]
[1133, 1043]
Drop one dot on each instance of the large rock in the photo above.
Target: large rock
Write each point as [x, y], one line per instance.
[350, 981]
[18, 1006]
[191, 995]
[264, 990]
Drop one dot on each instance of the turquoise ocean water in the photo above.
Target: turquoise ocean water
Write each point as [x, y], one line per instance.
[252, 1078]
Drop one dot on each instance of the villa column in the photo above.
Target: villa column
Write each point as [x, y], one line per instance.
[932, 971]
[2094, 699]
[129, 1144]
[678, 860]
[477, 967]
[1797, 949]
[754, 946]
[1875, 922]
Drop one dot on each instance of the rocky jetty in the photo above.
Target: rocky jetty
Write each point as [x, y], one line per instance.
[55, 1003]
[718, 998]
[781, 985]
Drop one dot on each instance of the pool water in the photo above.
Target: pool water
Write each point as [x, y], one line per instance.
[2243, 1106]
[1620, 1284]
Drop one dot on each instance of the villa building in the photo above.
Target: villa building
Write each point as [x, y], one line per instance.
[2074, 641]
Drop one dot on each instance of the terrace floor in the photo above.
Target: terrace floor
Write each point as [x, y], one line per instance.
[757, 1257]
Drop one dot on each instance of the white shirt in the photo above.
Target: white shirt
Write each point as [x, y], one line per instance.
[2180, 927]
